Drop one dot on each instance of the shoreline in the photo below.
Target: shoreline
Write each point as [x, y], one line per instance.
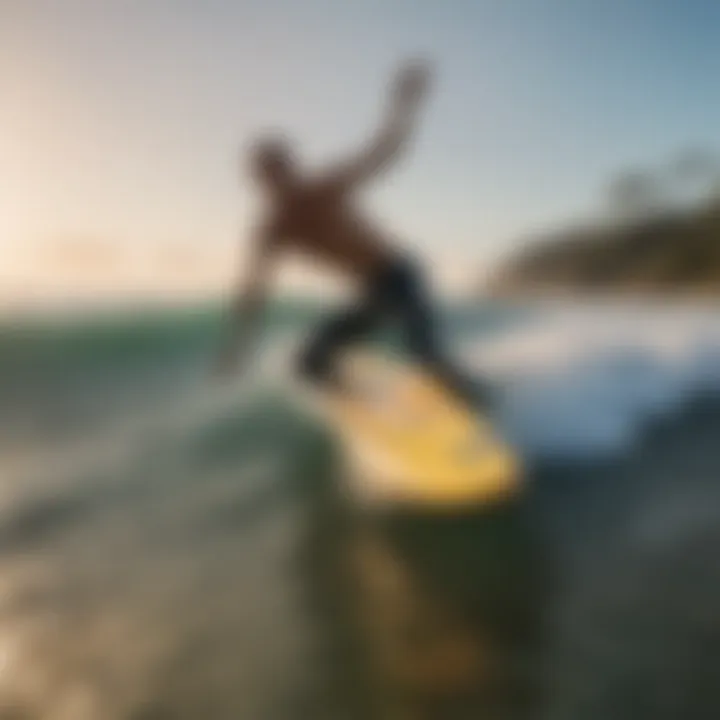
[611, 296]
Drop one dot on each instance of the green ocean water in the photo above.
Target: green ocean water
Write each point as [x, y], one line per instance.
[53, 371]
[174, 548]
[153, 522]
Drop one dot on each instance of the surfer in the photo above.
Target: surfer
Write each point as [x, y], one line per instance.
[315, 215]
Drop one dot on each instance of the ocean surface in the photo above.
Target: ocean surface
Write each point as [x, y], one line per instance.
[150, 517]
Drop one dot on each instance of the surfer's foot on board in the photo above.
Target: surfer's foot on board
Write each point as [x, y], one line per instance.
[475, 393]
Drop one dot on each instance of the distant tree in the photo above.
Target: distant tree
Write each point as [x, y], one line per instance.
[697, 174]
[696, 164]
[636, 194]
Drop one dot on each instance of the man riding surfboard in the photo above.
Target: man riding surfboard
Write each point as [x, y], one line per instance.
[317, 217]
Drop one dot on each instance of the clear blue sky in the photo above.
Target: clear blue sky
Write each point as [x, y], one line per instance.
[121, 119]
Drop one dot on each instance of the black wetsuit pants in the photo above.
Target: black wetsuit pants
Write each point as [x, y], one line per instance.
[397, 293]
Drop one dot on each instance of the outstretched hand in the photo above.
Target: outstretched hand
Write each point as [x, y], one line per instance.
[411, 84]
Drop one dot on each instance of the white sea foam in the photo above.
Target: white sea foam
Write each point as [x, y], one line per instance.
[586, 382]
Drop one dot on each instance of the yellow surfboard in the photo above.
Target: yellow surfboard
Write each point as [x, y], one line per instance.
[408, 441]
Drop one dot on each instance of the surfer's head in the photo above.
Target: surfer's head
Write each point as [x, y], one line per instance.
[272, 162]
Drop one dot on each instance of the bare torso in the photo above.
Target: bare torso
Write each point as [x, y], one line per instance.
[320, 221]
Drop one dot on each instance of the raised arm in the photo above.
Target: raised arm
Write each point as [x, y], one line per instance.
[408, 90]
[249, 300]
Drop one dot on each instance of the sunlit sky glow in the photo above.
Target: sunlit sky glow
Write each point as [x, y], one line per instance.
[121, 121]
